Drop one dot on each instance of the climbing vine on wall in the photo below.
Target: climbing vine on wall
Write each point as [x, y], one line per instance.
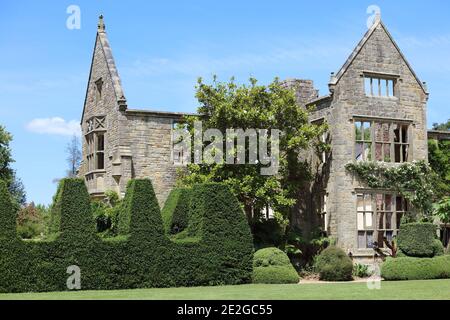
[415, 181]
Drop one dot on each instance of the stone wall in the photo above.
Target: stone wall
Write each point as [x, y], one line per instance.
[150, 139]
[378, 54]
[105, 106]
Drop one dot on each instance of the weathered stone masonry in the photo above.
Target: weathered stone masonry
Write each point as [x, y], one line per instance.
[119, 143]
[376, 88]
[345, 216]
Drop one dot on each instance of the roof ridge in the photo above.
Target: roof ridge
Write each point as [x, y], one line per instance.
[110, 62]
[378, 22]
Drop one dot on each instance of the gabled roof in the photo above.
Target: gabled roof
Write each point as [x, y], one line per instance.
[377, 23]
[102, 40]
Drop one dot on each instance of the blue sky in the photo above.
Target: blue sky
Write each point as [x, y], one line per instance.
[161, 47]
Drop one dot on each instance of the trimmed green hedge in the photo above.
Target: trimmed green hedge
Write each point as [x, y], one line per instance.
[438, 248]
[410, 268]
[275, 275]
[7, 216]
[217, 251]
[417, 239]
[272, 266]
[175, 213]
[334, 265]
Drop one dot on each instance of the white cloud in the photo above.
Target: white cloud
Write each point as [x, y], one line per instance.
[54, 126]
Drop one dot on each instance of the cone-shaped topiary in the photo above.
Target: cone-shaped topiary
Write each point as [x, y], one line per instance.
[142, 256]
[141, 216]
[73, 207]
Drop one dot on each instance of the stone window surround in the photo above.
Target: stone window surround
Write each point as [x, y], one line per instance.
[396, 78]
[98, 90]
[96, 123]
[324, 199]
[362, 118]
[92, 152]
[98, 127]
[375, 229]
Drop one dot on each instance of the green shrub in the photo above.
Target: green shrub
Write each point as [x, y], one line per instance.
[270, 257]
[417, 239]
[141, 256]
[275, 275]
[410, 268]
[361, 270]
[30, 221]
[334, 265]
[438, 248]
[272, 266]
[175, 213]
[29, 230]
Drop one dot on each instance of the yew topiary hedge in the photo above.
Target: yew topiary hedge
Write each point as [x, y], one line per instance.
[417, 239]
[217, 248]
[175, 213]
[410, 268]
[272, 266]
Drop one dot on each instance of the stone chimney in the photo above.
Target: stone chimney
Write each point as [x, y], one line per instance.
[304, 90]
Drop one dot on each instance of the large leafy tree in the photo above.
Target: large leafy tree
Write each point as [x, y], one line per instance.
[7, 174]
[439, 157]
[227, 105]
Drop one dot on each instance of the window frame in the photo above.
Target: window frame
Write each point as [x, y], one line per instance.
[95, 127]
[386, 85]
[403, 145]
[377, 232]
[98, 90]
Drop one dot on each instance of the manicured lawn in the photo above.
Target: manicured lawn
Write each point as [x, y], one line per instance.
[427, 289]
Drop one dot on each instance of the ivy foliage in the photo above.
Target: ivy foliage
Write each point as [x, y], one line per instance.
[415, 181]
[141, 256]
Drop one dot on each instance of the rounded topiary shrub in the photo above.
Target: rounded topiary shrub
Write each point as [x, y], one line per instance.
[334, 265]
[271, 265]
[417, 239]
[410, 268]
[438, 248]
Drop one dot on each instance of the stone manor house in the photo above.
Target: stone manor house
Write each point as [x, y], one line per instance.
[375, 108]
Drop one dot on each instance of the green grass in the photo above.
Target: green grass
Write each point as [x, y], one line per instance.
[426, 289]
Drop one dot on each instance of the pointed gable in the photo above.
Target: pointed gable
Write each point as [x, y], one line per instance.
[378, 26]
[103, 65]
